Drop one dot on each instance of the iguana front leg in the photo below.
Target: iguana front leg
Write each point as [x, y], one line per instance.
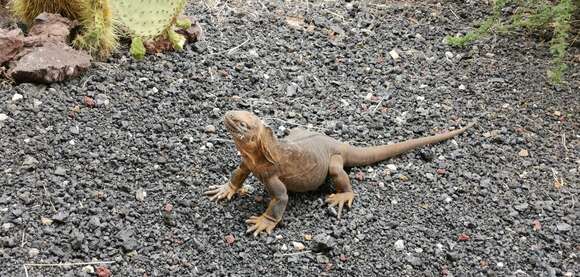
[344, 194]
[273, 214]
[230, 188]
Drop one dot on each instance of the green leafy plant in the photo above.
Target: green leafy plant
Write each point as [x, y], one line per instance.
[533, 15]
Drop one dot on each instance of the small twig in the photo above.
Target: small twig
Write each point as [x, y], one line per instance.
[454, 13]
[381, 101]
[564, 143]
[23, 242]
[233, 50]
[296, 124]
[213, 139]
[25, 270]
[337, 15]
[378, 105]
[294, 254]
[69, 264]
[219, 139]
[87, 80]
[49, 197]
[559, 181]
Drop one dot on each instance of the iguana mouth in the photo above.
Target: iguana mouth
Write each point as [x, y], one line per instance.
[234, 127]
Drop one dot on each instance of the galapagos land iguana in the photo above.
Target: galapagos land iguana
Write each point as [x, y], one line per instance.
[300, 162]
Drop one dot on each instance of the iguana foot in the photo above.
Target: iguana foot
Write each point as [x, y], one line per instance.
[220, 192]
[260, 224]
[340, 199]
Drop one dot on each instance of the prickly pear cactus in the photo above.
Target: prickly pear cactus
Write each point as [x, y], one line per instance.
[147, 18]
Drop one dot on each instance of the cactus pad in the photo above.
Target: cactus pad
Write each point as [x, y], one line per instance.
[147, 18]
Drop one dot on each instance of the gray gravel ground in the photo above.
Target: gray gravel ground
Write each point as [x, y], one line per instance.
[123, 181]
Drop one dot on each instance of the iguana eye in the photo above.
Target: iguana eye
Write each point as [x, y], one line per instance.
[243, 124]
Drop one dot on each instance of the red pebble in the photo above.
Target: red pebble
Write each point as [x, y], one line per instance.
[230, 239]
[103, 271]
[463, 237]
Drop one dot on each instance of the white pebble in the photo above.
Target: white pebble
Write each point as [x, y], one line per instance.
[394, 54]
[37, 103]
[7, 226]
[400, 245]
[209, 145]
[420, 98]
[17, 97]
[284, 247]
[369, 96]
[140, 194]
[88, 269]
[462, 87]
[3, 117]
[449, 55]
[33, 252]
[500, 265]
[298, 246]
[392, 167]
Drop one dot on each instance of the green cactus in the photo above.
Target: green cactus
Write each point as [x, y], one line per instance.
[150, 19]
[137, 48]
[183, 23]
[98, 36]
[176, 39]
[102, 20]
[28, 10]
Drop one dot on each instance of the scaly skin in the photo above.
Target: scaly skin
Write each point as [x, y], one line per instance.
[300, 162]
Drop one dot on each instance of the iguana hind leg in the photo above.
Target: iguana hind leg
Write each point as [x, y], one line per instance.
[344, 194]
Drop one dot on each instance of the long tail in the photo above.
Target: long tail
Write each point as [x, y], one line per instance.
[359, 156]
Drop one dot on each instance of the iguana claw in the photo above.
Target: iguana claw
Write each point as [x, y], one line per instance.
[340, 199]
[220, 192]
[261, 223]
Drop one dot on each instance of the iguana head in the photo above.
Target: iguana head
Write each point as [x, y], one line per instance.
[252, 138]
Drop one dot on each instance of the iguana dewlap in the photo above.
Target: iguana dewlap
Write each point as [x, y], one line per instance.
[300, 162]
